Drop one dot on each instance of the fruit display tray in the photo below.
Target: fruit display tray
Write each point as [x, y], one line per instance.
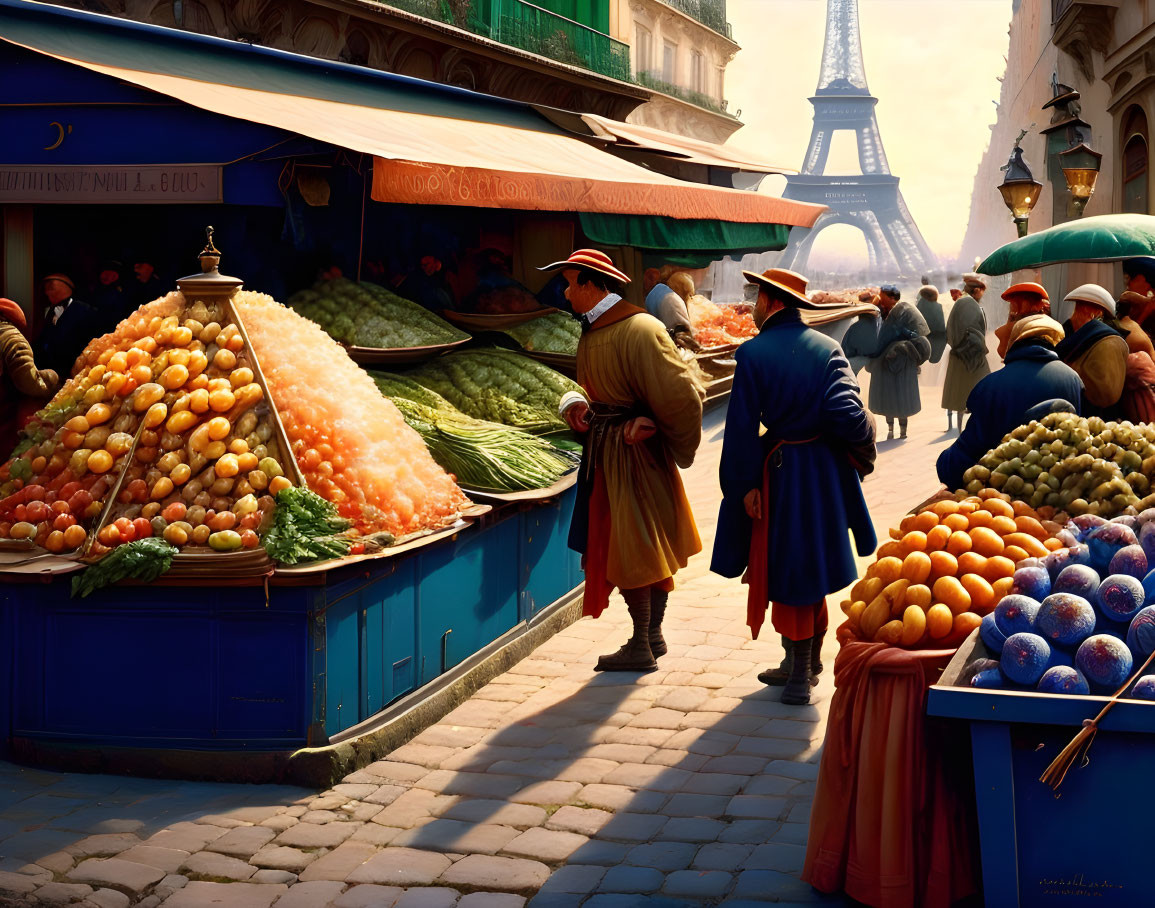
[1039, 848]
[476, 321]
[567, 481]
[372, 356]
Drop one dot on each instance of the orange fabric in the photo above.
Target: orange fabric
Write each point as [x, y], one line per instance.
[800, 622]
[893, 822]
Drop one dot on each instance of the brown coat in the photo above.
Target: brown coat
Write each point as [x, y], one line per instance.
[19, 379]
[1103, 369]
[966, 333]
[631, 362]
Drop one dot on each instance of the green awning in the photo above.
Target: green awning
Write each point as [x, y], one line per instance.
[694, 240]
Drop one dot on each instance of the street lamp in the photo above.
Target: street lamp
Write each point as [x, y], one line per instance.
[1081, 168]
[1020, 189]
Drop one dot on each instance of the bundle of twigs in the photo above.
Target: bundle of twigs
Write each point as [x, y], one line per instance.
[1077, 749]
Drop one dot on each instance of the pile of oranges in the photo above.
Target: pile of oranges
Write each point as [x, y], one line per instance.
[944, 569]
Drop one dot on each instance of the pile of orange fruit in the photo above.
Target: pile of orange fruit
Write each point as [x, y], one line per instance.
[944, 569]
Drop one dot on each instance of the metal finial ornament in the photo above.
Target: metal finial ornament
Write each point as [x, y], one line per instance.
[210, 282]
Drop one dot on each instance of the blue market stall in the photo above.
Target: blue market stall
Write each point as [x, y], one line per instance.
[113, 128]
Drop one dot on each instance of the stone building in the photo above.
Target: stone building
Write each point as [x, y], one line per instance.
[1105, 50]
[572, 54]
[680, 48]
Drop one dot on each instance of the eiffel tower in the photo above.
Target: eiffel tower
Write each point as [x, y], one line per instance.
[871, 201]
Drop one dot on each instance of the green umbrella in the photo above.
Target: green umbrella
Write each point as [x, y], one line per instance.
[1104, 238]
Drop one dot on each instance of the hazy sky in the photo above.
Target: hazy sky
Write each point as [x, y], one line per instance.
[932, 64]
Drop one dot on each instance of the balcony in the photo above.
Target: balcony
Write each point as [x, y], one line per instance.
[700, 99]
[519, 24]
[711, 13]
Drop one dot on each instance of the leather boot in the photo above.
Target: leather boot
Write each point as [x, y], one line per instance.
[658, 600]
[797, 689]
[816, 665]
[635, 656]
[776, 677]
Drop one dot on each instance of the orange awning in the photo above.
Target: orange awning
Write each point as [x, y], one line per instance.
[425, 159]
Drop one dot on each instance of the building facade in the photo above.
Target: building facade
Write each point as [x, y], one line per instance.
[1104, 49]
[557, 53]
[680, 49]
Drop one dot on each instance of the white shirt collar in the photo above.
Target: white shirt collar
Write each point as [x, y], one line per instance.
[601, 308]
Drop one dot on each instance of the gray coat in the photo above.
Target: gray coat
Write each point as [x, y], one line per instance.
[902, 348]
[966, 333]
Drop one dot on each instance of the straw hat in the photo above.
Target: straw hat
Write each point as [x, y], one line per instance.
[591, 259]
[789, 286]
[1093, 294]
[1029, 287]
[1038, 325]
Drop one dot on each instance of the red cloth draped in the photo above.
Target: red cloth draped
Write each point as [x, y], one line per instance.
[800, 622]
[598, 587]
[893, 821]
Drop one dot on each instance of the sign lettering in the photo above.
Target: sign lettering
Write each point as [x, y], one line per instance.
[110, 185]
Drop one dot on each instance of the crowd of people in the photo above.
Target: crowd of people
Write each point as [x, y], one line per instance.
[797, 430]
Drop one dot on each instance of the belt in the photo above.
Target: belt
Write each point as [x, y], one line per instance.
[774, 454]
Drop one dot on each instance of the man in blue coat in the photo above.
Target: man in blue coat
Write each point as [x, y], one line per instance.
[788, 496]
[1002, 401]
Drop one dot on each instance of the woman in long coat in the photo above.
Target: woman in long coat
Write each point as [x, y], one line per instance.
[966, 334]
[902, 348]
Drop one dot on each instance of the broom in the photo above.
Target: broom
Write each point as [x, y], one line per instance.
[1077, 749]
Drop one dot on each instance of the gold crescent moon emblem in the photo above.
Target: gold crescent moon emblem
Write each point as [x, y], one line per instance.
[59, 138]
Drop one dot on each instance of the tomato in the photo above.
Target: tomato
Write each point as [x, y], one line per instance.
[59, 505]
[74, 537]
[357, 548]
[80, 500]
[63, 522]
[175, 511]
[33, 492]
[142, 528]
[125, 529]
[137, 490]
[55, 541]
[37, 511]
[109, 535]
[20, 513]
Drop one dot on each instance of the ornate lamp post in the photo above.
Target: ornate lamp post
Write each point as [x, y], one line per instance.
[1080, 166]
[1020, 189]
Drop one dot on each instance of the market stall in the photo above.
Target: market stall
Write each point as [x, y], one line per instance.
[1023, 605]
[317, 562]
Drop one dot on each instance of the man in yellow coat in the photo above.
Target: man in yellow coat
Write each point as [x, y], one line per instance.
[641, 418]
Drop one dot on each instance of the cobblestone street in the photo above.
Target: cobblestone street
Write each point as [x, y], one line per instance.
[553, 786]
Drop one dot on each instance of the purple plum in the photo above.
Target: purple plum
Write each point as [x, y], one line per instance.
[1147, 516]
[1130, 560]
[1128, 520]
[1141, 634]
[1147, 541]
[1068, 538]
[990, 679]
[1144, 688]
[1104, 661]
[1065, 619]
[978, 665]
[1120, 597]
[1025, 657]
[1015, 614]
[991, 635]
[1034, 582]
[1061, 558]
[1088, 522]
[1149, 588]
[1078, 579]
[1063, 679]
[1106, 541]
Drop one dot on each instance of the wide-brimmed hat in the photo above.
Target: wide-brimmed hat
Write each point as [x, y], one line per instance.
[1093, 294]
[592, 259]
[1026, 287]
[970, 279]
[789, 286]
[63, 278]
[1141, 265]
[1037, 325]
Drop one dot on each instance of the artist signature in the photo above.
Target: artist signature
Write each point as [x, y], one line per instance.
[1077, 885]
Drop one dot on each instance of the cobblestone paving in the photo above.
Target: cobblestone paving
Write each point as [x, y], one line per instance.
[554, 785]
